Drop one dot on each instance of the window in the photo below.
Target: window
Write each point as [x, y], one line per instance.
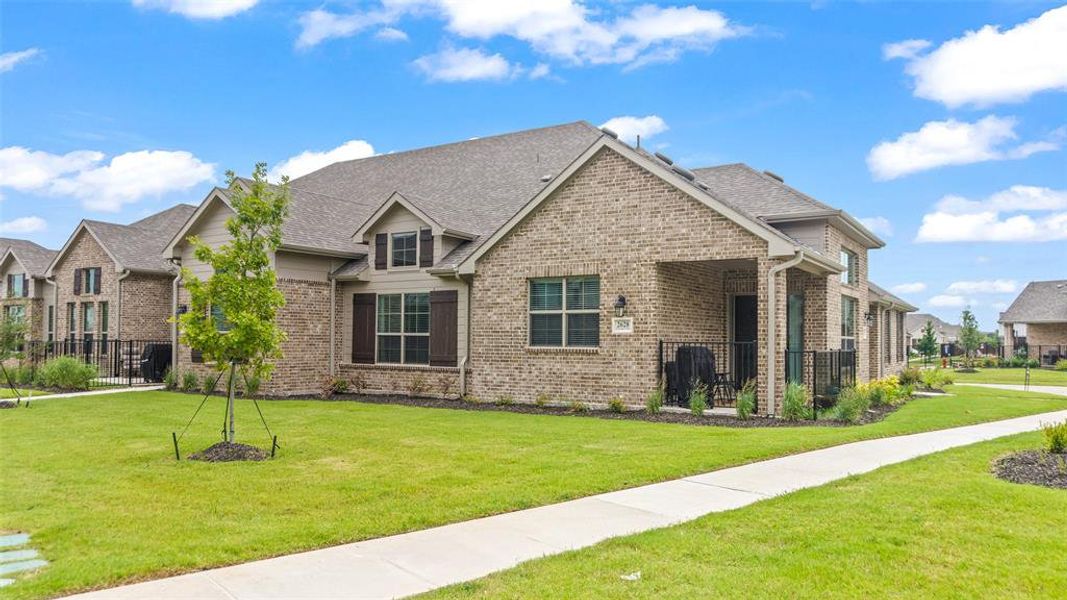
[900, 336]
[848, 323]
[103, 326]
[222, 324]
[16, 313]
[887, 330]
[848, 260]
[16, 285]
[51, 324]
[404, 328]
[565, 312]
[88, 318]
[405, 249]
[72, 323]
[92, 285]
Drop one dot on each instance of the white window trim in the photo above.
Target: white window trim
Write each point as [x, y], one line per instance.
[562, 311]
[16, 288]
[851, 274]
[402, 334]
[389, 246]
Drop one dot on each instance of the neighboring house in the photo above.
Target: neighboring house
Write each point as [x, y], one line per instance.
[889, 334]
[112, 283]
[24, 292]
[946, 333]
[1040, 311]
[554, 261]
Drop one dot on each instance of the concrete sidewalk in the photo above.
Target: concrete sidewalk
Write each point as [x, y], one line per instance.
[122, 390]
[424, 560]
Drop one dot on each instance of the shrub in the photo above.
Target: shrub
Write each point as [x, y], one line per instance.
[577, 406]
[746, 400]
[252, 385]
[1055, 437]
[333, 385]
[698, 399]
[504, 400]
[66, 372]
[358, 383]
[445, 384]
[851, 405]
[1061, 364]
[170, 380]
[910, 376]
[543, 400]
[189, 382]
[418, 386]
[616, 405]
[21, 375]
[654, 402]
[471, 398]
[936, 379]
[795, 402]
[208, 383]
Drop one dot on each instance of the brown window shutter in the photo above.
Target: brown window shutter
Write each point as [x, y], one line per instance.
[77, 282]
[444, 309]
[363, 328]
[10, 282]
[381, 250]
[425, 248]
[96, 280]
[196, 356]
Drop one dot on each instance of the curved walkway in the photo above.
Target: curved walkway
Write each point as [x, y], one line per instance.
[417, 562]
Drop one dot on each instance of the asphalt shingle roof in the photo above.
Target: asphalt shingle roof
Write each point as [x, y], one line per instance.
[34, 257]
[139, 246]
[881, 293]
[1040, 301]
[757, 193]
[914, 321]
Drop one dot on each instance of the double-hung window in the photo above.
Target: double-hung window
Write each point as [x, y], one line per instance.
[404, 328]
[565, 312]
[51, 324]
[848, 323]
[405, 249]
[72, 323]
[16, 285]
[103, 326]
[850, 275]
[16, 313]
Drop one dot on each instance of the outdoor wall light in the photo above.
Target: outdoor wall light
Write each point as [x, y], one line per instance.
[869, 318]
[620, 306]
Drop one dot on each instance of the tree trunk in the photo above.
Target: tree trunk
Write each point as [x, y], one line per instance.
[229, 396]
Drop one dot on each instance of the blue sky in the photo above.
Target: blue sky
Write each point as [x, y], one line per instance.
[113, 110]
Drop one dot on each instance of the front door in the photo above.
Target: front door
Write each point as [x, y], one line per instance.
[745, 330]
[794, 342]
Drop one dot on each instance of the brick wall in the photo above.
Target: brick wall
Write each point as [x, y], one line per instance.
[1045, 334]
[85, 252]
[35, 315]
[146, 306]
[835, 241]
[440, 382]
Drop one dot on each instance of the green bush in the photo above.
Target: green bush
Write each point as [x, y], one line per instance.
[851, 405]
[1061, 364]
[252, 385]
[616, 405]
[66, 372]
[577, 406]
[333, 385]
[1055, 437]
[698, 399]
[21, 375]
[170, 379]
[795, 402]
[936, 379]
[746, 400]
[209, 382]
[504, 400]
[543, 400]
[910, 376]
[654, 402]
[189, 382]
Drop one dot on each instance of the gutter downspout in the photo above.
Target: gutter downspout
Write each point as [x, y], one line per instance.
[463, 363]
[772, 318]
[333, 327]
[118, 304]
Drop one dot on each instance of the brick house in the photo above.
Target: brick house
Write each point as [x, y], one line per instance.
[111, 281]
[25, 294]
[888, 350]
[1038, 316]
[560, 261]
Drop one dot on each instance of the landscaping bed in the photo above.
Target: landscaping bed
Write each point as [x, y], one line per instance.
[1035, 467]
[229, 452]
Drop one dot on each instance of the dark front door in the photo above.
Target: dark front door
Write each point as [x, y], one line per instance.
[745, 330]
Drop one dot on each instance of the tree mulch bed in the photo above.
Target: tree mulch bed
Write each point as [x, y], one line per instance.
[7, 404]
[230, 452]
[1034, 467]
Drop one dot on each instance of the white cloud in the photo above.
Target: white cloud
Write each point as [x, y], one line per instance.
[82, 174]
[9, 60]
[310, 160]
[562, 29]
[629, 127]
[908, 288]
[1000, 305]
[390, 34]
[958, 219]
[540, 70]
[950, 301]
[199, 9]
[905, 49]
[878, 225]
[942, 143]
[987, 286]
[465, 64]
[23, 225]
[990, 66]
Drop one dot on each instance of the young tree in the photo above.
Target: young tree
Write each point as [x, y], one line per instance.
[928, 342]
[12, 334]
[970, 337]
[231, 318]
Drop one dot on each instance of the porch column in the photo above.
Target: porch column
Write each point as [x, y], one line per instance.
[766, 364]
[1008, 333]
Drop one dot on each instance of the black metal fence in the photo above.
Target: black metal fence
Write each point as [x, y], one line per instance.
[721, 367]
[117, 362]
[824, 372]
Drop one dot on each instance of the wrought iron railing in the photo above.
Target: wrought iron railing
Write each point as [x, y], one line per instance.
[117, 362]
[721, 367]
[824, 372]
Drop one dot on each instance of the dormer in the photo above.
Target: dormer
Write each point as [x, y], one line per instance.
[405, 233]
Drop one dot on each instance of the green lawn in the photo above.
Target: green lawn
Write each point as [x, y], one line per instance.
[95, 482]
[936, 527]
[5, 392]
[1016, 376]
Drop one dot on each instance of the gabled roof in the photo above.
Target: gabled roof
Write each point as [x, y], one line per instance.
[33, 257]
[769, 198]
[914, 321]
[1039, 302]
[443, 219]
[878, 294]
[137, 246]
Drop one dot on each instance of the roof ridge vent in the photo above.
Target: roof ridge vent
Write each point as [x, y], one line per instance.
[609, 132]
[774, 175]
[546, 178]
[684, 172]
[664, 158]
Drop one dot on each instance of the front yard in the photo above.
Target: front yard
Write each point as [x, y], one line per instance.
[94, 480]
[1014, 376]
[940, 526]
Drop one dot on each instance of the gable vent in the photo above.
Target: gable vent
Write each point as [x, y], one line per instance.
[609, 132]
[774, 175]
[683, 172]
[664, 158]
